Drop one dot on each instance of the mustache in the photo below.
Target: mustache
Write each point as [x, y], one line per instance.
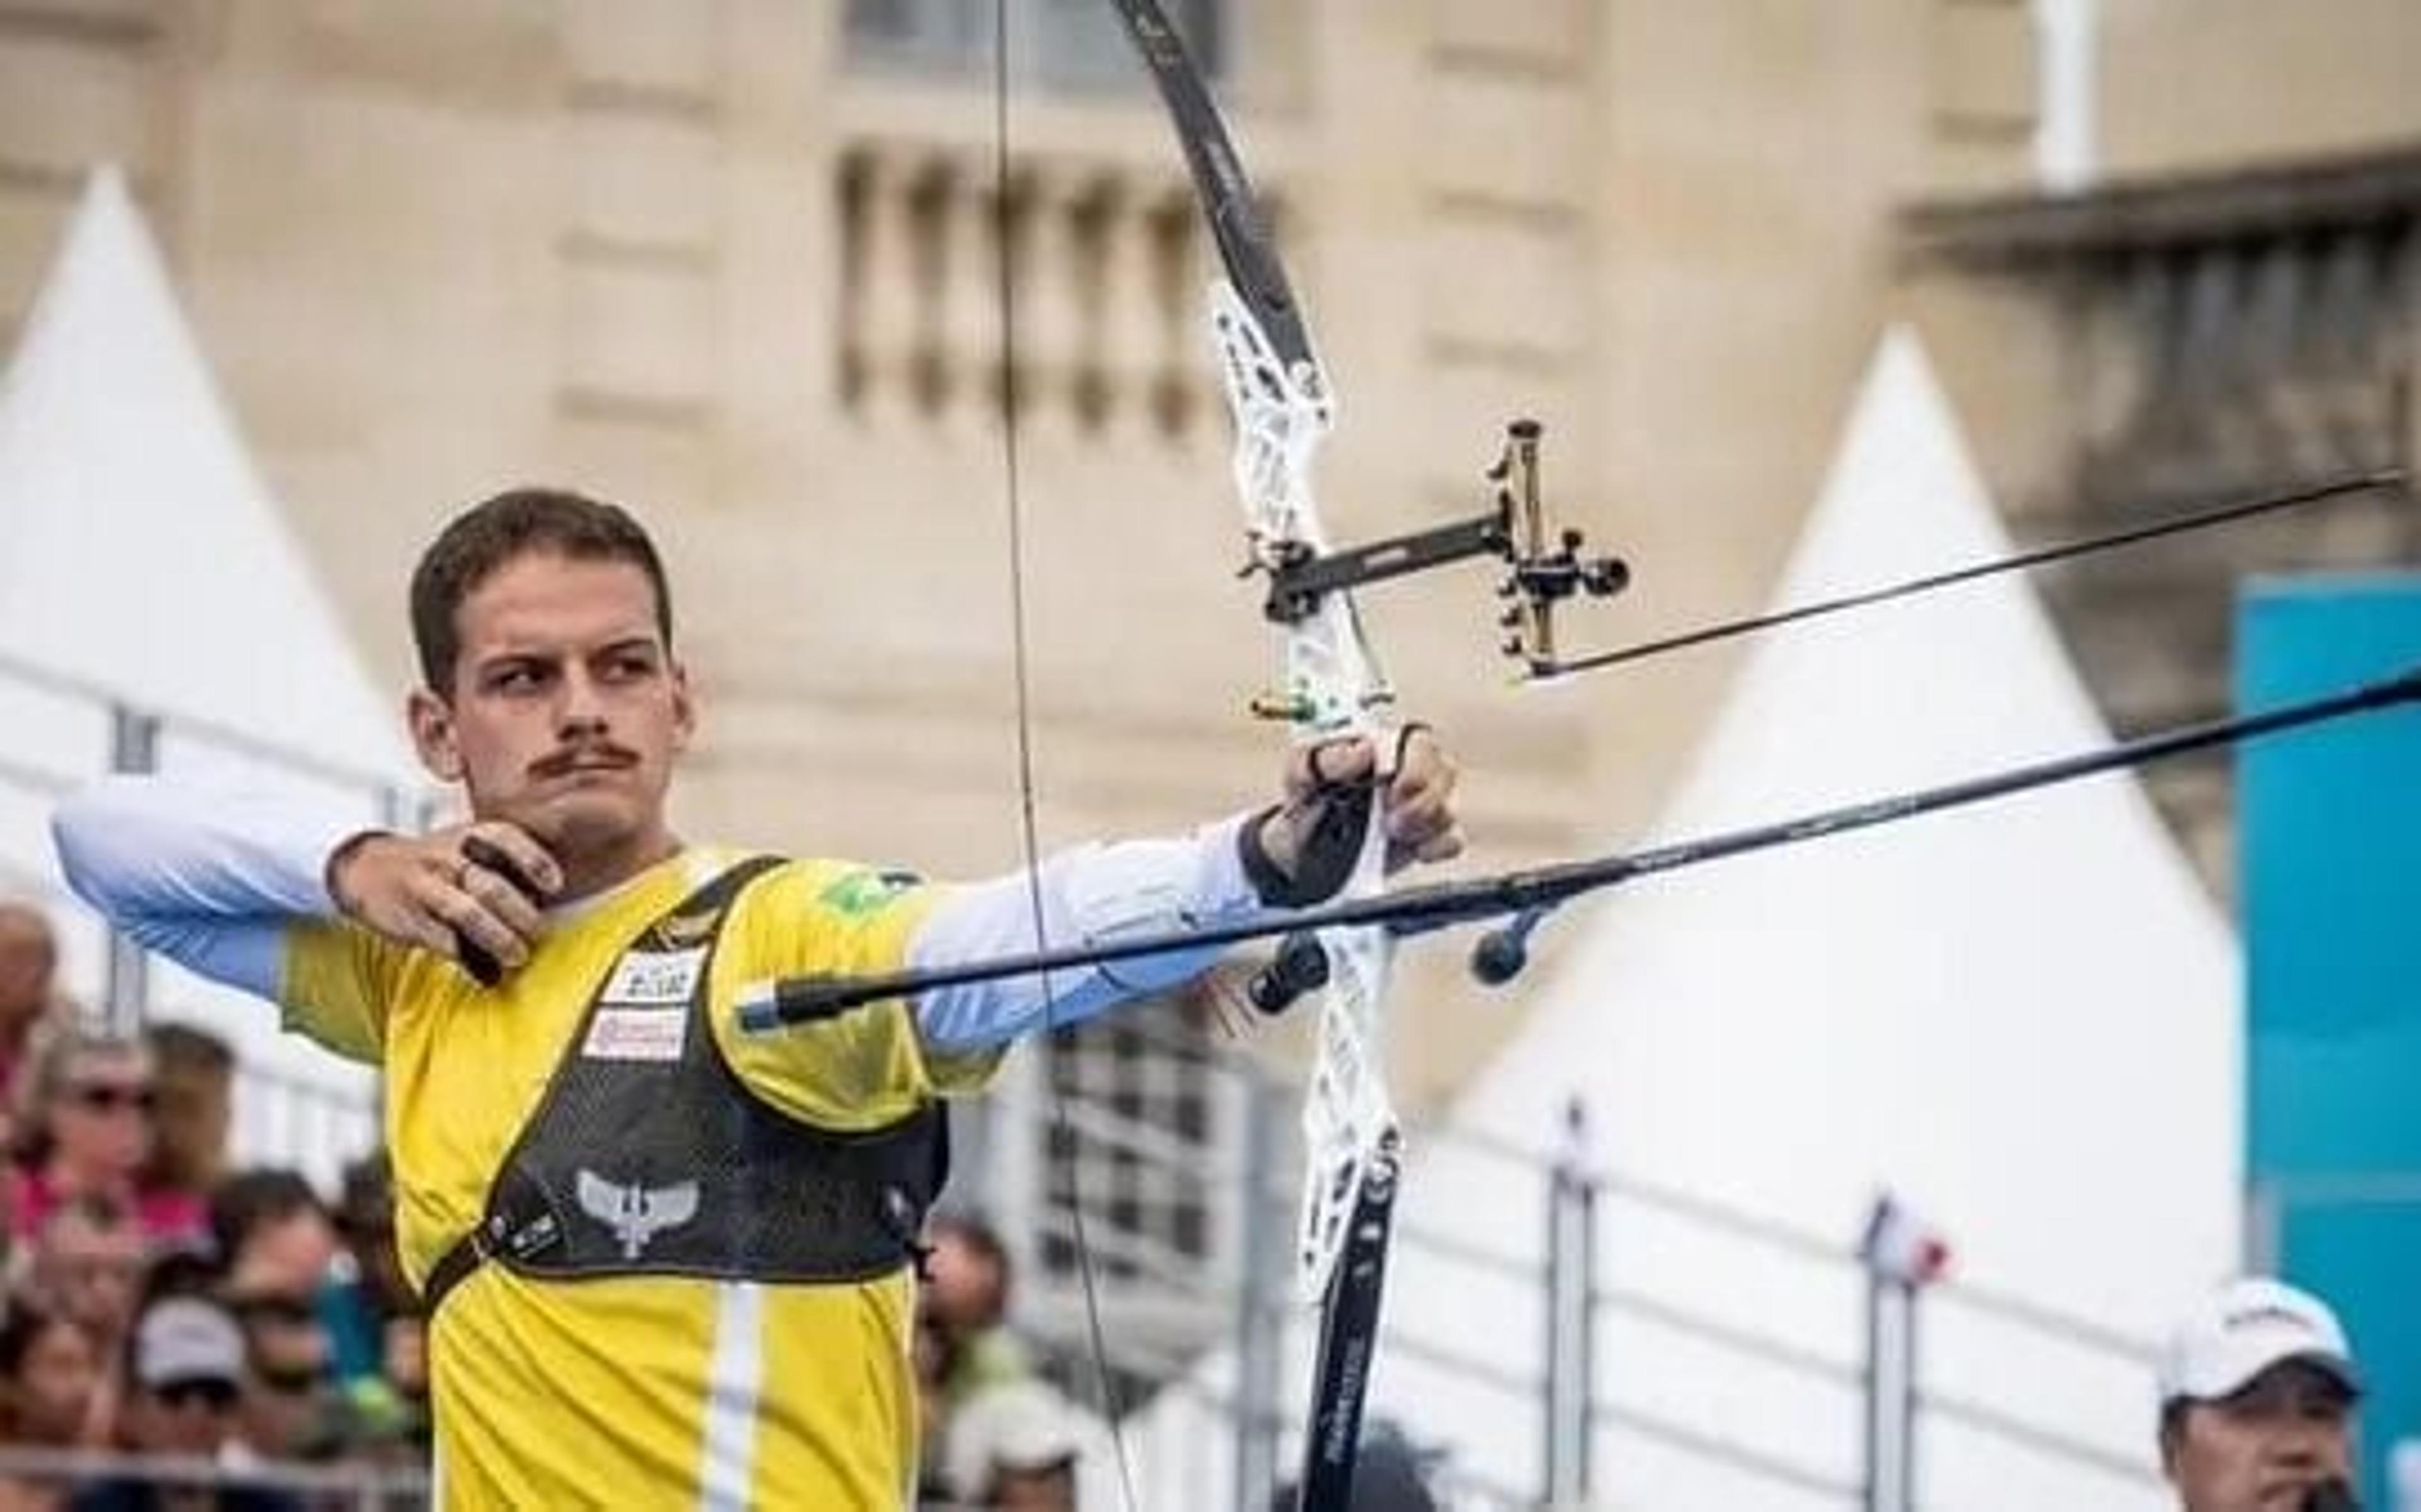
[571, 758]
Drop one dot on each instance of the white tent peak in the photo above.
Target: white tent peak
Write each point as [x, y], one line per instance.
[1919, 691]
[145, 553]
[1903, 496]
[2079, 892]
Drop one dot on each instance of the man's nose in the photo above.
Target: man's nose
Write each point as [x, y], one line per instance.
[2311, 1447]
[581, 709]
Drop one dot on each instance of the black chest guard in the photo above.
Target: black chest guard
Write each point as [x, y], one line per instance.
[648, 1155]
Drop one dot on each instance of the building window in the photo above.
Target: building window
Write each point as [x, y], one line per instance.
[1153, 1090]
[1063, 45]
[1135, 1122]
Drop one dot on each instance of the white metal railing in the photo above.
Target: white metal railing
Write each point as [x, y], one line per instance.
[1164, 1309]
[367, 1488]
[293, 1106]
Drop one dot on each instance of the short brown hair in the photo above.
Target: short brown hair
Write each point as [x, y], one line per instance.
[250, 1201]
[185, 1046]
[495, 531]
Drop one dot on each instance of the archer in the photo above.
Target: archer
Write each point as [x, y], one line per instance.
[666, 1261]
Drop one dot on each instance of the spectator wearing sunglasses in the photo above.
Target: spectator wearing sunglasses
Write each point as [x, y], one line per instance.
[184, 1368]
[89, 1134]
[276, 1241]
[290, 1409]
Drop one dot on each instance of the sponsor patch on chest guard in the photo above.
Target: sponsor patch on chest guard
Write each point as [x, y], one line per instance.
[636, 1035]
[655, 976]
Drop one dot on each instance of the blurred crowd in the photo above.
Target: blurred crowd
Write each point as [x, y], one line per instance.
[999, 1435]
[160, 1306]
[996, 1433]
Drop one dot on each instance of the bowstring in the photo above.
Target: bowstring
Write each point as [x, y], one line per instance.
[1063, 1131]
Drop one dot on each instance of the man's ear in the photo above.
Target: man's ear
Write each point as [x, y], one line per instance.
[432, 735]
[684, 708]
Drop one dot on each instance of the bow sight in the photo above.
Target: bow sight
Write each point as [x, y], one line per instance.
[1515, 530]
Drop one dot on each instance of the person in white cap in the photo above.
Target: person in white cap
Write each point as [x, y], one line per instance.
[2258, 1389]
[1019, 1448]
[185, 1362]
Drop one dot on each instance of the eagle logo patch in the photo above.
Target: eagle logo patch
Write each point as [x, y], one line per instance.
[636, 1215]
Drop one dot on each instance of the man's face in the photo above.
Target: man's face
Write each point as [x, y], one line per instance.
[53, 1393]
[566, 708]
[2263, 1449]
[962, 1285]
[288, 1256]
[184, 1417]
[90, 1272]
[285, 1392]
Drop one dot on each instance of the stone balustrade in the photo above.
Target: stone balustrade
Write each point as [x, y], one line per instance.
[1105, 275]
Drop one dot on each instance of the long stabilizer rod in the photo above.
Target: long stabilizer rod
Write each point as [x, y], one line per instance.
[1526, 895]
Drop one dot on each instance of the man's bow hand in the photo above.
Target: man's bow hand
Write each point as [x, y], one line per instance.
[1302, 851]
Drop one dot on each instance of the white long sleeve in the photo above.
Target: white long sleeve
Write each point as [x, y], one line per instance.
[1091, 894]
[208, 880]
[211, 878]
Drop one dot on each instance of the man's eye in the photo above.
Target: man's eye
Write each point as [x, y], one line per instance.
[630, 668]
[515, 680]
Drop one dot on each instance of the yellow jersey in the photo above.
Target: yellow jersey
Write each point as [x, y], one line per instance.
[637, 1392]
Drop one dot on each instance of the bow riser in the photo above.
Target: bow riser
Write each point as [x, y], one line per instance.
[1333, 688]
[1282, 407]
[1347, 1118]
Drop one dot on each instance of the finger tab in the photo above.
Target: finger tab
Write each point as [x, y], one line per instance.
[478, 850]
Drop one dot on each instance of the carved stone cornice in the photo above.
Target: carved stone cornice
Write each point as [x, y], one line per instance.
[2316, 196]
[2178, 341]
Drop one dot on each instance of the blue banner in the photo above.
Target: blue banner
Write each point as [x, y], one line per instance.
[2329, 824]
